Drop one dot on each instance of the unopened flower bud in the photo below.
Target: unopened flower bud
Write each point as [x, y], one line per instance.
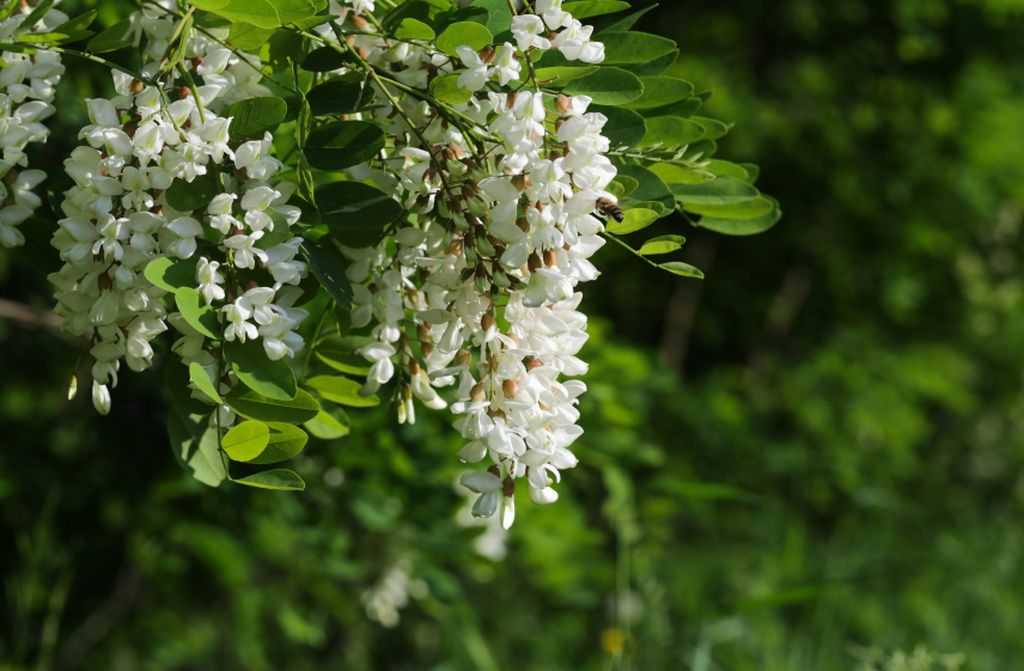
[488, 321]
[510, 388]
[478, 392]
[521, 182]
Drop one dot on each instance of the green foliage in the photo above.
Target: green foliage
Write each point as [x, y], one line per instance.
[252, 118]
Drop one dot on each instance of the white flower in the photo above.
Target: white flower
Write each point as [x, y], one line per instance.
[209, 279]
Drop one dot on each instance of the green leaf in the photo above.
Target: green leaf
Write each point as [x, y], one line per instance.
[172, 274]
[749, 226]
[326, 426]
[659, 91]
[354, 206]
[342, 95]
[201, 379]
[246, 441]
[623, 127]
[341, 390]
[248, 37]
[249, 362]
[447, 90]
[191, 196]
[328, 265]
[622, 186]
[253, 117]
[325, 59]
[663, 244]
[205, 461]
[117, 36]
[463, 34]
[633, 220]
[284, 48]
[634, 47]
[560, 75]
[728, 169]
[672, 131]
[683, 269]
[37, 13]
[655, 67]
[499, 15]
[416, 9]
[279, 479]
[607, 86]
[650, 187]
[413, 29]
[624, 24]
[585, 9]
[675, 173]
[248, 403]
[724, 197]
[263, 13]
[196, 312]
[344, 144]
[713, 128]
[339, 352]
[53, 37]
[80, 22]
[285, 441]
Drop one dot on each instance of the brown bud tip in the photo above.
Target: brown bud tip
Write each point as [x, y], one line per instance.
[422, 332]
[494, 470]
[463, 357]
[523, 224]
[510, 388]
[427, 348]
[533, 362]
[487, 54]
[534, 262]
[521, 182]
[184, 92]
[105, 282]
[359, 22]
[414, 367]
[487, 321]
[137, 86]
[478, 392]
[508, 488]
[563, 104]
[550, 258]
[510, 101]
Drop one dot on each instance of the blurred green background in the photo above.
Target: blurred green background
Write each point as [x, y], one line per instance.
[811, 460]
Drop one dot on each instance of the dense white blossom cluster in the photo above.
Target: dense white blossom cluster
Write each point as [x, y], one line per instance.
[478, 291]
[27, 86]
[119, 217]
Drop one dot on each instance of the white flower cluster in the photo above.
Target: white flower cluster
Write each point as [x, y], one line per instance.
[118, 217]
[487, 275]
[27, 85]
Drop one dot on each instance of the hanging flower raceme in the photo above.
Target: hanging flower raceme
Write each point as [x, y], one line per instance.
[166, 199]
[505, 187]
[28, 81]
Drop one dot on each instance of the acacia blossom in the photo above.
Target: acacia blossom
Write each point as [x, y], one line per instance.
[27, 85]
[119, 216]
[478, 291]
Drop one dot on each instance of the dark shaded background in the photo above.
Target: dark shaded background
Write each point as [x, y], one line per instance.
[811, 460]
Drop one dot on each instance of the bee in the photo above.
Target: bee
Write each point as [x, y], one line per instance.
[610, 209]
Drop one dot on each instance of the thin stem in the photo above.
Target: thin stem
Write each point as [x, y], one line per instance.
[615, 238]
